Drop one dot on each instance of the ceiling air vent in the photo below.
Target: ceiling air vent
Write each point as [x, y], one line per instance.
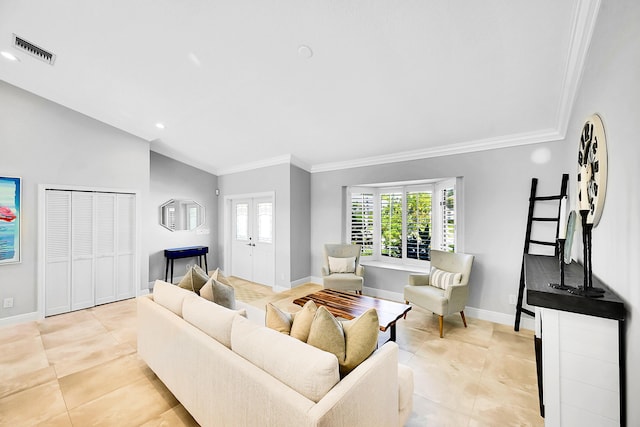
[33, 50]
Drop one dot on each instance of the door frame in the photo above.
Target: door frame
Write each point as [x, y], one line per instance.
[41, 263]
[227, 221]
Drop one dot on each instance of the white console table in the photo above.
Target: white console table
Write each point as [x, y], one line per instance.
[582, 355]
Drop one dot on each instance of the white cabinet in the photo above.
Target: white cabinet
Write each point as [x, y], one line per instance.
[580, 365]
[89, 249]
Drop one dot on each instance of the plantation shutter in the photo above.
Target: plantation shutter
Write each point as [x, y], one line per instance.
[362, 221]
[448, 219]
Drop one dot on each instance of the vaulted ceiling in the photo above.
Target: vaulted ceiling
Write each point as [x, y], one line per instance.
[322, 83]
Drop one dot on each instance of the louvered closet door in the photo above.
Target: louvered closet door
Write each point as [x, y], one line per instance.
[57, 252]
[82, 249]
[125, 245]
[105, 272]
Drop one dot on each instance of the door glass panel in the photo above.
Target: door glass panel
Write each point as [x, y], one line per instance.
[242, 221]
[265, 222]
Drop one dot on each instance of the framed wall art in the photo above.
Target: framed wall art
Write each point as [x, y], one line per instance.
[10, 199]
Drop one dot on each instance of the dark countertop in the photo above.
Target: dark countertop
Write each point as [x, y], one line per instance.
[541, 270]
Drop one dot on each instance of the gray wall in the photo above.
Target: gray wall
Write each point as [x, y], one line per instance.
[268, 179]
[300, 224]
[171, 179]
[45, 143]
[611, 88]
[495, 195]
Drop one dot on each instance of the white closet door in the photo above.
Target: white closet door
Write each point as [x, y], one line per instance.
[125, 246]
[82, 248]
[105, 277]
[57, 252]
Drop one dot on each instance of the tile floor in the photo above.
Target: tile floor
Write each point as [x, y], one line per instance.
[81, 369]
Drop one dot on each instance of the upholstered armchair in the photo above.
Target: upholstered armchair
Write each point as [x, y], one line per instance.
[445, 289]
[341, 267]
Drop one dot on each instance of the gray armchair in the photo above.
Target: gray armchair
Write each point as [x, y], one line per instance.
[343, 272]
[442, 302]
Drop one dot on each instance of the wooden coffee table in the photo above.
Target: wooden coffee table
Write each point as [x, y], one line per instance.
[349, 306]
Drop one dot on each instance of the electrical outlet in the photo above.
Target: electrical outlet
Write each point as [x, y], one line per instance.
[8, 303]
[512, 299]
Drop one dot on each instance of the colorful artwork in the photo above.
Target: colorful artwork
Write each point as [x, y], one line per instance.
[10, 191]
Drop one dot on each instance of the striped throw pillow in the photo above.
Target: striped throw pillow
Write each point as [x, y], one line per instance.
[443, 279]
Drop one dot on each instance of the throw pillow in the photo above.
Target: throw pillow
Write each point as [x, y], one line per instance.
[223, 294]
[443, 279]
[342, 265]
[194, 279]
[207, 290]
[352, 341]
[302, 321]
[277, 319]
[326, 333]
[361, 339]
[217, 275]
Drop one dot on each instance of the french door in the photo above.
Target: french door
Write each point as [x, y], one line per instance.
[252, 239]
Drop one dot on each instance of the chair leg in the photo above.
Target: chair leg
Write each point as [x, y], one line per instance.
[463, 319]
[441, 321]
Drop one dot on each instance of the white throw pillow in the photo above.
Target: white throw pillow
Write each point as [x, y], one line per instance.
[342, 265]
[443, 279]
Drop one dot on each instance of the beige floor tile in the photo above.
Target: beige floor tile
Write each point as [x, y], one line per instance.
[509, 342]
[21, 357]
[63, 321]
[61, 420]
[174, 417]
[18, 332]
[27, 380]
[445, 384]
[32, 406]
[427, 413]
[89, 384]
[458, 355]
[131, 405]
[72, 333]
[86, 353]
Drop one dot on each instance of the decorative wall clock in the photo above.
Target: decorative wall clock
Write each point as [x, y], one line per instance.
[592, 169]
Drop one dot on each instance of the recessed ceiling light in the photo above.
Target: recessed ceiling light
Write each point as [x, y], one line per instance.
[9, 56]
[160, 125]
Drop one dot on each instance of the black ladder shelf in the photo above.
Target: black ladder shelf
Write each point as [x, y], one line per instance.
[528, 241]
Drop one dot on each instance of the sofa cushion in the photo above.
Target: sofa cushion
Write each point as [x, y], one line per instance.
[277, 319]
[211, 318]
[306, 369]
[342, 265]
[170, 296]
[194, 279]
[302, 321]
[443, 279]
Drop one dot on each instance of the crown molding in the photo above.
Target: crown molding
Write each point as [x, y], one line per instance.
[584, 22]
[548, 135]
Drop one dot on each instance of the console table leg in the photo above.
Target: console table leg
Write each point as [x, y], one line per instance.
[171, 271]
[166, 269]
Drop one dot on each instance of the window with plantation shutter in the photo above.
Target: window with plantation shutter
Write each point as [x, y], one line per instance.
[361, 221]
[400, 223]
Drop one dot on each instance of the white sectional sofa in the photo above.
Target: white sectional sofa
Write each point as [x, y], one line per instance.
[230, 371]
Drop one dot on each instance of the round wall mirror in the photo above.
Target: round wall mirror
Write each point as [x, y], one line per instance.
[180, 215]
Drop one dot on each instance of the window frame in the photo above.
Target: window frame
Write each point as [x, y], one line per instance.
[436, 226]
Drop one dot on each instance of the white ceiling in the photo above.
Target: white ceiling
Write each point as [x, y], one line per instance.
[388, 79]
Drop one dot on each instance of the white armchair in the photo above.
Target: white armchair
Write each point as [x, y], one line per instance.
[341, 267]
[445, 293]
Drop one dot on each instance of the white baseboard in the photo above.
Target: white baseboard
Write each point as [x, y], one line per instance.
[302, 281]
[20, 318]
[475, 313]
